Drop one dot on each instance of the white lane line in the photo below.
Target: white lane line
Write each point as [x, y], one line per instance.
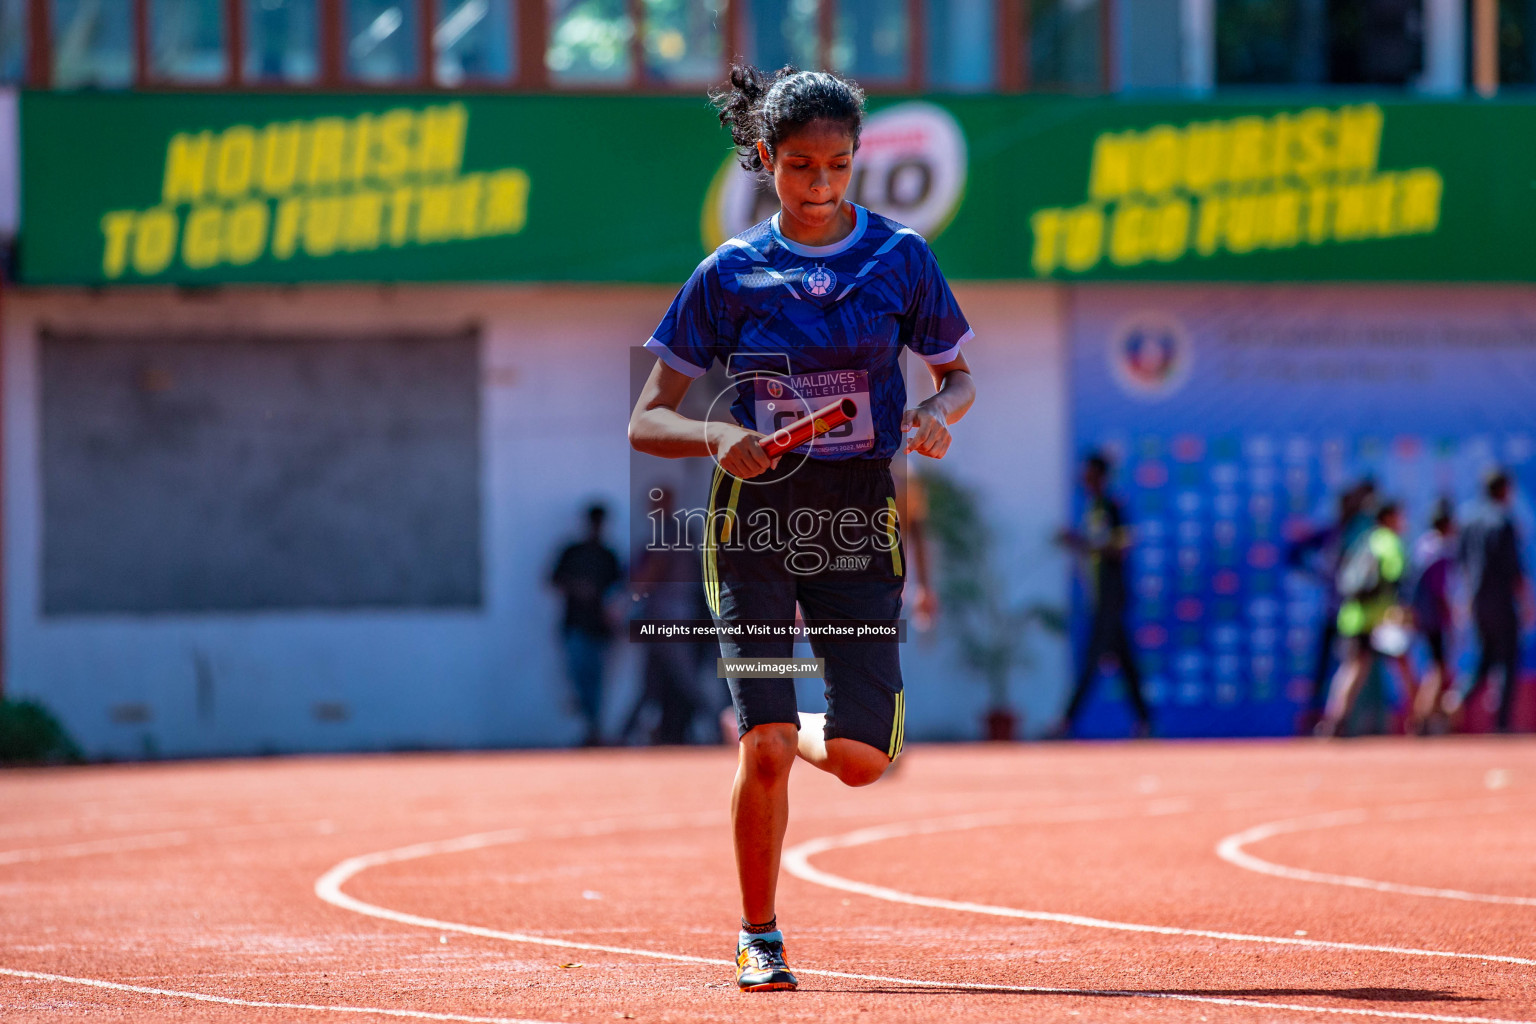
[797, 861]
[328, 888]
[152, 841]
[154, 821]
[156, 840]
[203, 997]
[1231, 850]
[148, 841]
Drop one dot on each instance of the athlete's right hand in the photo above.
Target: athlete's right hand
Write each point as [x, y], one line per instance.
[739, 451]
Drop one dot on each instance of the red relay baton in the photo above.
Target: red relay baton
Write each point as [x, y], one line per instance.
[793, 435]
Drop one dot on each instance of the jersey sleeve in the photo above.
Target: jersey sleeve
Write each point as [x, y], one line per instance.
[687, 338]
[938, 328]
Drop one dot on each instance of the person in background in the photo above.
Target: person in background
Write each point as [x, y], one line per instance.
[1320, 552]
[1372, 620]
[1103, 544]
[1367, 507]
[1489, 553]
[1434, 556]
[586, 573]
[669, 589]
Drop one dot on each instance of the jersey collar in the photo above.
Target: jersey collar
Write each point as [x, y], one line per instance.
[860, 222]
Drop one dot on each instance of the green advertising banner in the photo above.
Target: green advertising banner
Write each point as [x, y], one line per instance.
[203, 188]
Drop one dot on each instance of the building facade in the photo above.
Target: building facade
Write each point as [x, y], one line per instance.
[314, 353]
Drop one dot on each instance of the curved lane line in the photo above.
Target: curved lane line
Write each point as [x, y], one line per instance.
[178, 838]
[1231, 850]
[329, 888]
[797, 862]
[202, 997]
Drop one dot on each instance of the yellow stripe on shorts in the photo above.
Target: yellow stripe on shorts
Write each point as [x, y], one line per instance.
[890, 532]
[898, 727]
[711, 557]
[730, 510]
[711, 578]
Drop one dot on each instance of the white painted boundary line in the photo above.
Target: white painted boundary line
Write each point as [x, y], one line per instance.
[796, 861]
[203, 997]
[151, 840]
[405, 853]
[117, 844]
[1231, 850]
[328, 888]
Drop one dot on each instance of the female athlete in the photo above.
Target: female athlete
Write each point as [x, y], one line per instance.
[809, 306]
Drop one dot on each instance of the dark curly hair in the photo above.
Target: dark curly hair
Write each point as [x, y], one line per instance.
[759, 105]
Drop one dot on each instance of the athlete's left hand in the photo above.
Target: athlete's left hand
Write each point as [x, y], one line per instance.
[929, 436]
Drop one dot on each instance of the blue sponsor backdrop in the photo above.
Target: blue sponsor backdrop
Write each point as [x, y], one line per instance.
[1235, 416]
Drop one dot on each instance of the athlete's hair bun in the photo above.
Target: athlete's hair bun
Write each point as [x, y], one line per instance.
[772, 106]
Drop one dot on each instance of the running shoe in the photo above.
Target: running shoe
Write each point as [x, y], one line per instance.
[760, 967]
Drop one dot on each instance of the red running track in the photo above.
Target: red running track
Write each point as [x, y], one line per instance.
[1279, 881]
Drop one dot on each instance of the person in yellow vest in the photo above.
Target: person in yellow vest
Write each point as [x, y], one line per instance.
[1372, 620]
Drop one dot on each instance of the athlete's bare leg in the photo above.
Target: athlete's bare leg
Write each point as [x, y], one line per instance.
[760, 799]
[1341, 695]
[1411, 686]
[759, 814]
[1426, 703]
[854, 763]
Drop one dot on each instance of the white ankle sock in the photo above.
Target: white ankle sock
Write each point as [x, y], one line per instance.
[742, 938]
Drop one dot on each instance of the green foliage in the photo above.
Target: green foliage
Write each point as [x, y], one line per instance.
[992, 632]
[29, 734]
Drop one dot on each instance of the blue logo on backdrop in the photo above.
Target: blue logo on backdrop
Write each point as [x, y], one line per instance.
[1149, 354]
[819, 280]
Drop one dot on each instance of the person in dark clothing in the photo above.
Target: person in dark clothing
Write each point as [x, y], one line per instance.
[1103, 543]
[1320, 553]
[1430, 602]
[669, 588]
[586, 573]
[1489, 553]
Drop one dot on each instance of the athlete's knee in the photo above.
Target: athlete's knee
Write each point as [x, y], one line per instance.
[855, 763]
[768, 751]
[862, 773]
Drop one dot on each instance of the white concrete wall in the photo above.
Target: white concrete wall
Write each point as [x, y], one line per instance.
[556, 399]
[1012, 448]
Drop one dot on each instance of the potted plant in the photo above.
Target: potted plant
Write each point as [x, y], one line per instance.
[30, 734]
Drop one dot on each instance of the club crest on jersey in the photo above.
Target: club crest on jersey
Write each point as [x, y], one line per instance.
[819, 280]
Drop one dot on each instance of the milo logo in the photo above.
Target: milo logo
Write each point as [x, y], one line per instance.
[910, 167]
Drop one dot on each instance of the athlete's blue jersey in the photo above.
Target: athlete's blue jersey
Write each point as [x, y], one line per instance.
[762, 304]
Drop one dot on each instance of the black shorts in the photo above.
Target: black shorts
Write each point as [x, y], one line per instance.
[850, 569]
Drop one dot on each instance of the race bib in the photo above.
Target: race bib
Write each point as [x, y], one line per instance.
[778, 401]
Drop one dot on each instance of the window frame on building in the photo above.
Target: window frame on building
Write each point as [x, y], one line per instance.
[530, 28]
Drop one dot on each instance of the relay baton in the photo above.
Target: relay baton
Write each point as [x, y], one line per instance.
[793, 435]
